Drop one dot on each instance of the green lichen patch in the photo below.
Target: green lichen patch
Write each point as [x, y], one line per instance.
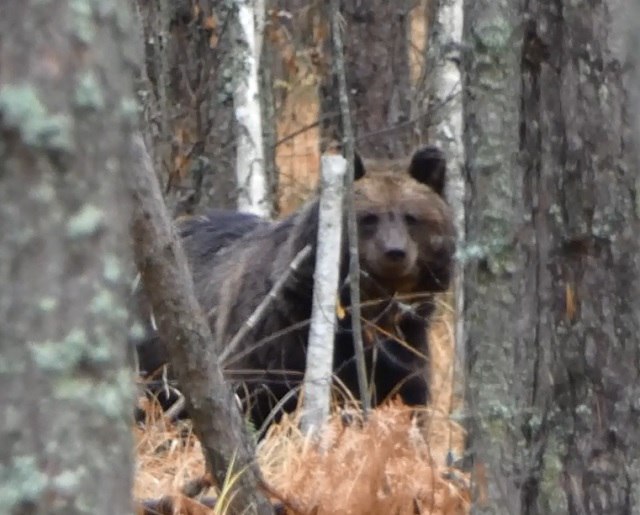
[21, 481]
[21, 110]
[107, 306]
[67, 354]
[112, 269]
[111, 398]
[68, 481]
[89, 94]
[47, 304]
[114, 400]
[130, 110]
[136, 331]
[43, 192]
[83, 25]
[551, 477]
[86, 222]
[494, 36]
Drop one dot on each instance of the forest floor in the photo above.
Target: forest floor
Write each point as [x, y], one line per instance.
[395, 463]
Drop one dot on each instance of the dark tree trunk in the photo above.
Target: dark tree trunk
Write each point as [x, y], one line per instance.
[269, 131]
[552, 313]
[379, 80]
[189, 100]
[376, 40]
[66, 107]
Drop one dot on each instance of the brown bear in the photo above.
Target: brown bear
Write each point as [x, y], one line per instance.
[203, 237]
[406, 241]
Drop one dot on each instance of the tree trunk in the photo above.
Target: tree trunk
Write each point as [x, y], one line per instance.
[250, 169]
[377, 60]
[552, 317]
[188, 92]
[317, 378]
[211, 402]
[66, 108]
[348, 141]
[446, 118]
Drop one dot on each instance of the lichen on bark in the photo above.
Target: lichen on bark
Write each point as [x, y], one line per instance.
[65, 388]
[551, 318]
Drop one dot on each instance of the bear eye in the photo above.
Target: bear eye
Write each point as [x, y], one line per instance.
[410, 219]
[369, 219]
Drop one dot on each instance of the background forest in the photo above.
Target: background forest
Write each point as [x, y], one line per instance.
[534, 351]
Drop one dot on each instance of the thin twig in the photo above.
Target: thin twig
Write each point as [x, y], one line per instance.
[274, 411]
[259, 312]
[352, 228]
[273, 336]
[171, 415]
[301, 130]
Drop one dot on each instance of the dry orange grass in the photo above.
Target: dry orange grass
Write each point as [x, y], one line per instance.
[167, 456]
[382, 467]
[390, 465]
[385, 466]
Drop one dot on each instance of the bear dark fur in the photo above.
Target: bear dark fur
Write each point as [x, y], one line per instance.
[406, 243]
[203, 237]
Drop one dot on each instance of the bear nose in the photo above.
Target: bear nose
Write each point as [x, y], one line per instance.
[396, 254]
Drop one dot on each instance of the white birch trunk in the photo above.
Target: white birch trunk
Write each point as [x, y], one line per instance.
[250, 170]
[446, 105]
[317, 379]
[259, 11]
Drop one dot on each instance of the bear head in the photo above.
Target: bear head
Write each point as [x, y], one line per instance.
[406, 235]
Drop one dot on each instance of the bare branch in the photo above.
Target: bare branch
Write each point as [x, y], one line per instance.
[210, 401]
[257, 315]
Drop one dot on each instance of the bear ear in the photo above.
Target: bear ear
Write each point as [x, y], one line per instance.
[358, 167]
[429, 166]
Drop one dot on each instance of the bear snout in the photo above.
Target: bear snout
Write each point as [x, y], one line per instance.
[394, 261]
[395, 254]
